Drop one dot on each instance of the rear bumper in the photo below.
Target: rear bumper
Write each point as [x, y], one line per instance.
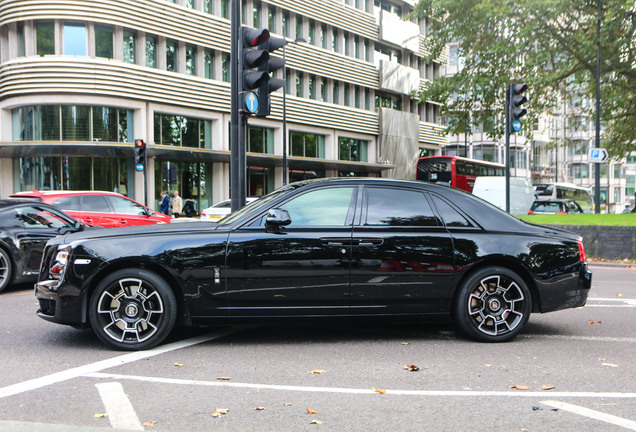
[567, 291]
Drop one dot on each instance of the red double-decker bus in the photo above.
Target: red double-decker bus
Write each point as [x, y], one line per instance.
[456, 171]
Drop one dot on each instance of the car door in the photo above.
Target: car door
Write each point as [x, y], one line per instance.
[38, 226]
[303, 270]
[402, 255]
[128, 212]
[95, 210]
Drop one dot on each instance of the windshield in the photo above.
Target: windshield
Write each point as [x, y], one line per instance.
[261, 202]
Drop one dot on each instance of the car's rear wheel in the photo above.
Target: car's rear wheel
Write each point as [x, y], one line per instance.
[493, 305]
[5, 269]
[132, 309]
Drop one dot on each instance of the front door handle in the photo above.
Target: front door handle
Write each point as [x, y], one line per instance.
[369, 241]
[337, 241]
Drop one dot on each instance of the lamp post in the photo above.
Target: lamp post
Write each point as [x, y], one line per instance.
[297, 40]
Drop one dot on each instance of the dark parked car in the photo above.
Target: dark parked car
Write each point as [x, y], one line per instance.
[347, 247]
[555, 206]
[25, 227]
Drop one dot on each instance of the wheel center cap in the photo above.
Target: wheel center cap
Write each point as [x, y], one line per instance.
[131, 310]
[494, 304]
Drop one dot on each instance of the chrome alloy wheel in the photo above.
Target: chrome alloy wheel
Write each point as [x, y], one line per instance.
[5, 269]
[496, 305]
[131, 310]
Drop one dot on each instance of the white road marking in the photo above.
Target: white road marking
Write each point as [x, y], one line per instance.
[596, 415]
[68, 374]
[580, 338]
[226, 384]
[625, 302]
[120, 411]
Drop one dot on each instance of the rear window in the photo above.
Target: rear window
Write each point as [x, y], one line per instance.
[547, 207]
[68, 203]
[397, 207]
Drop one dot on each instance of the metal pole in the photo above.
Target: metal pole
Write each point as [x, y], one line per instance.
[597, 169]
[235, 20]
[507, 151]
[284, 120]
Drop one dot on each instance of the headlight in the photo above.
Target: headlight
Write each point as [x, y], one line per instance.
[57, 267]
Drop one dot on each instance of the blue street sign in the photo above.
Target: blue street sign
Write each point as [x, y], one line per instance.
[597, 155]
[251, 102]
[516, 125]
[139, 167]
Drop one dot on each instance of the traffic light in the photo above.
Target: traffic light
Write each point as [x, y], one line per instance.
[140, 154]
[253, 54]
[271, 65]
[515, 111]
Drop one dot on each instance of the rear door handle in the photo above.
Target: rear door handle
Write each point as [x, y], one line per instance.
[369, 241]
[337, 241]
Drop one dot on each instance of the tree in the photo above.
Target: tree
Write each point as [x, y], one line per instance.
[550, 45]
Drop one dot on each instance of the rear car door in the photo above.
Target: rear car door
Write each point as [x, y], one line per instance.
[95, 210]
[128, 212]
[303, 270]
[402, 255]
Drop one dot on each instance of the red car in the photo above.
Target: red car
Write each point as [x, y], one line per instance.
[105, 209]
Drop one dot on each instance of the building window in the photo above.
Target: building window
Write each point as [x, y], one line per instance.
[286, 24]
[323, 90]
[256, 14]
[271, 19]
[74, 39]
[190, 4]
[312, 30]
[130, 46]
[299, 84]
[299, 26]
[347, 99]
[260, 140]
[181, 131]
[225, 66]
[191, 60]
[346, 43]
[45, 38]
[225, 9]
[208, 63]
[312, 86]
[336, 93]
[104, 41]
[367, 99]
[171, 56]
[350, 149]
[356, 47]
[207, 6]
[323, 36]
[385, 101]
[151, 51]
[307, 145]
[334, 40]
[21, 51]
[72, 123]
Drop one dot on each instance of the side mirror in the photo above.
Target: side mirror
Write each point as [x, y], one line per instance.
[275, 219]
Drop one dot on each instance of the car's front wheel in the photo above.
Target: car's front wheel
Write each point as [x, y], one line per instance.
[5, 269]
[493, 304]
[132, 309]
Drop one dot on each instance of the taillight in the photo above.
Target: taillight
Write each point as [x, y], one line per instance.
[582, 256]
[561, 213]
[530, 212]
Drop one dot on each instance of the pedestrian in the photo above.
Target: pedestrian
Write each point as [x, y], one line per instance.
[164, 203]
[188, 208]
[177, 204]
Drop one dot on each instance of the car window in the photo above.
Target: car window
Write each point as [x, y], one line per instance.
[33, 217]
[397, 207]
[10, 219]
[223, 204]
[322, 207]
[546, 207]
[71, 203]
[125, 206]
[95, 203]
[450, 216]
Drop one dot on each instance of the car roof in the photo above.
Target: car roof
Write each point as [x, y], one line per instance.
[38, 193]
[19, 202]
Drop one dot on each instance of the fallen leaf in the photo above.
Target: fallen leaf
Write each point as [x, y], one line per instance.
[150, 423]
[379, 391]
[590, 321]
[609, 364]
[310, 411]
[547, 387]
[406, 343]
[289, 404]
[260, 408]
[102, 415]
[619, 295]
[318, 422]
[224, 378]
[487, 365]
[317, 372]
[178, 364]
[220, 411]
[599, 322]
[519, 387]
[411, 368]
[279, 295]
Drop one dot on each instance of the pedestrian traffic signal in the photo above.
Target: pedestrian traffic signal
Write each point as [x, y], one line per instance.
[140, 154]
[270, 66]
[252, 55]
[515, 111]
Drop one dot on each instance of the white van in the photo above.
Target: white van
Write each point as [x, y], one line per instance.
[493, 190]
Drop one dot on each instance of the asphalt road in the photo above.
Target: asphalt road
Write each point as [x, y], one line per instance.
[570, 370]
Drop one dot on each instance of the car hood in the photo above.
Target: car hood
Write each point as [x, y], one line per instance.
[141, 230]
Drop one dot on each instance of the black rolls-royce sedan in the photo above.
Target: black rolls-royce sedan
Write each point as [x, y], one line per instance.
[346, 247]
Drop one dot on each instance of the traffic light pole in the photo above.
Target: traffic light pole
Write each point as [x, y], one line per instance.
[237, 145]
[507, 150]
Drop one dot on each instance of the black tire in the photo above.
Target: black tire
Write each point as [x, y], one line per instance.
[492, 305]
[132, 309]
[6, 269]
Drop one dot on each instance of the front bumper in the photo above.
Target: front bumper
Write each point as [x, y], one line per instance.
[62, 305]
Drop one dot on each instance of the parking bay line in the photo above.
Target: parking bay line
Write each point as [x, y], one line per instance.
[120, 411]
[452, 393]
[597, 415]
[79, 371]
